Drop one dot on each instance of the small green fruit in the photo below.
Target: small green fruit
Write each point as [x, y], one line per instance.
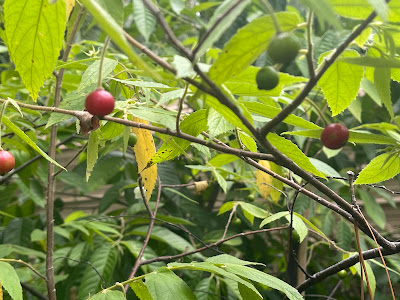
[132, 140]
[283, 48]
[236, 221]
[267, 78]
[342, 274]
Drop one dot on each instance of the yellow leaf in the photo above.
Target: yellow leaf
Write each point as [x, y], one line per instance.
[70, 6]
[264, 181]
[144, 150]
[1, 292]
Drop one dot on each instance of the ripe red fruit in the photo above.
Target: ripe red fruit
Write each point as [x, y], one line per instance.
[7, 162]
[335, 136]
[99, 102]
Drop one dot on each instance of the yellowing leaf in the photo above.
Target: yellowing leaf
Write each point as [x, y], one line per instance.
[275, 194]
[70, 6]
[144, 151]
[264, 180]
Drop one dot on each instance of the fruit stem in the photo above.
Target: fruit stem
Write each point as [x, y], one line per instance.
[103, 54]
[3, 109]
[273, 16]
[318, 110]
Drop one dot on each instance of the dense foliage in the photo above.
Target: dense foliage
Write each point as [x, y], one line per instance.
[202, 183]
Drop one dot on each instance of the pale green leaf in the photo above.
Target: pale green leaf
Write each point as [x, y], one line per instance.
[217, 124]
[341, 82]
[299, 226]
[270, 112]
[324, 167]
[168, 96]
[359, 9]
[255, 211]
[371, 276]
[220, 179]
[382, 85]
[141, 83]
[229, 259]
[370, 89]
[247, 45]
[91, 74]
[244, 84]
[10, 281]
[381, 168]
[226, 207]
[293, 152]
[27, 140]
[363, 37]
[183, 66]
[108, 295]
[92, 152]
[370, 61]
[115, 8]
[144, 19]
[273, 217]
[140, 289]
[222, 159]
[248, 141]
[228, 114]
[177, 6]
[381, 8]
[223, 24]
[35, 33]
[324, 12]
[163, 284]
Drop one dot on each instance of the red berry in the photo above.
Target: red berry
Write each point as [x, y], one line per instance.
[7, 162]
[335, 136]
[99, 102]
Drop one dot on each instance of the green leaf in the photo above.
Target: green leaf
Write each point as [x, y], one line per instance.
[293, 152]
[183, 66]
[226, 207]
[35, 33]
[167, 236]
[155, 115]
[91, 74]
[111, 27]
[92, 152]
[370, 61]
[115, 8]
[274, 217]
[163, 284]
[382, 85]
[381, 168]
[103, 260]
[248, 141]
[344, 235]
[223, 24]
[247, 45]
[7, 249]
[371, 276]
[381, 8]
[141, 83]
[356, 10]
[177, 6]
[209, 267]
[206, 289]
[10, 281]
[250, 211]
[299, 226]
[217, 124]
[341, 82]
[264, 279]
[324, 167]
[229, 259]
[324, 11]
[144, 19]
[193, 124]
[220, 179]
[373, 209]
[27, 140]
[222, 159]
[140, 289]
[108, 295]
[225, 112]
[270, 112]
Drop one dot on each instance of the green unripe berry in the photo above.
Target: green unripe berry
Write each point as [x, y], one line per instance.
[267, 78]
[132, 140]
[283, 48]
[342, 274]
[236, 221]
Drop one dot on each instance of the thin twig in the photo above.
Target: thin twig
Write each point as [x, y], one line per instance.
[310, 48]
[19, 261]
[180, 107]
[229, 220]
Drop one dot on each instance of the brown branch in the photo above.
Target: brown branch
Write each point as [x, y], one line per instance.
[347, 263]
[173, 257]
